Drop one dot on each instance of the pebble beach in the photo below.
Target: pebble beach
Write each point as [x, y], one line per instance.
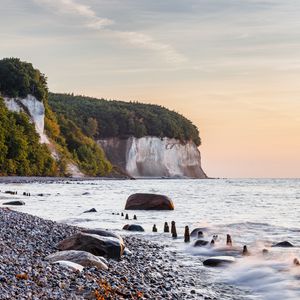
[149, 272]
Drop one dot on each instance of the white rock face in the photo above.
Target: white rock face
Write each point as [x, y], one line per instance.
[34, 108]
[155, 157]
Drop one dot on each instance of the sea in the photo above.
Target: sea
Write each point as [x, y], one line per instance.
[257, 213]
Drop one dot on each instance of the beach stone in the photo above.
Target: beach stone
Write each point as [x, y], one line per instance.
[93, 243]
[102, 232]
[217, 261]
[133, 227]
[16, 202]
[83, 258]
[90, 210]
[143, 201]
[69, 265]
[284, 244]
[201, 243]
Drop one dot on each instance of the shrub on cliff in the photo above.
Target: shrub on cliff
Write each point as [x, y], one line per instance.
[18, 79]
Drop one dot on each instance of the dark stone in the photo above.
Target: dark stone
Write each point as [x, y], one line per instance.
[16, 202]
[218, 261]
[149, 202]
[195, 232]
[93, 243]
[133, 227]
[201, 243]
[284, 244]
[90, 210]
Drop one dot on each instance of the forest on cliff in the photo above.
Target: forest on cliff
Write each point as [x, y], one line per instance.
[100, 118]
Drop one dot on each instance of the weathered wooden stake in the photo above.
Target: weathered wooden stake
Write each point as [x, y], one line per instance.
[173, 229]
[154, 229]
[166, 227]
[187, 234]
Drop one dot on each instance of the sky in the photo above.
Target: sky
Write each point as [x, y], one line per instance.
[230, 66]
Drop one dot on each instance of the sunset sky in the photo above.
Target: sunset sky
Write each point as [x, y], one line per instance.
[231, 66]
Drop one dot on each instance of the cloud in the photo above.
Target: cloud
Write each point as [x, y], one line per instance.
[93, 21]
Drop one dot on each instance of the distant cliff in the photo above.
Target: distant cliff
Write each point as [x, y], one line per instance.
[154, 157]
[142, 140]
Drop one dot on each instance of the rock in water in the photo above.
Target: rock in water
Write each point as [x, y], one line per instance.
[195, 232]
[133, 227]
[217, 261]
[149, 202]
[95, 244]
[201, 243]
[284, 244]
[90, 210]
[83, 258]
[17, 202]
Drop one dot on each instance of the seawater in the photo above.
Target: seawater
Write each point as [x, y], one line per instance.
[257, 213]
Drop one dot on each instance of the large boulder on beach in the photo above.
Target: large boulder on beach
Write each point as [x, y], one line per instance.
[141, 201]
[16, 202]
[103, 232]
[217, 261]
[133, 227]
[93, 243]
[83, 258]
[284, 244]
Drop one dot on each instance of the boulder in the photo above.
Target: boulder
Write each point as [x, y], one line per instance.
[93, 243]
[90, 210]
[217, 261]
[69, 265]
[201, 243]
[102, 232]
[284, 244]
[16, 202]
[83, 258]
[133, 227]
[149, 202]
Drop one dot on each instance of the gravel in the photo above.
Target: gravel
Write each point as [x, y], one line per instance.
[25, 240]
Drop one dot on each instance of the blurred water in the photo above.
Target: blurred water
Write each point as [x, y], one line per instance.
[256, 213]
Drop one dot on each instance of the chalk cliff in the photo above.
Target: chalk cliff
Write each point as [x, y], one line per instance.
[34, 108]
[154, 157]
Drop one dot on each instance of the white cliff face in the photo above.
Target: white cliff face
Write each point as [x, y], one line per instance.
[155, 157]
[34, 108]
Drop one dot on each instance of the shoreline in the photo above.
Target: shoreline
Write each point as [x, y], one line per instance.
[151, 272]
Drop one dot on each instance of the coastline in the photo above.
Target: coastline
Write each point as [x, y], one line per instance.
[151, 272]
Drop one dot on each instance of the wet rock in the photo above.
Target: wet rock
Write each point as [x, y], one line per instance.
[16, 202]
[217, 261]
[201, 243]
[83, 258]
[90, 210]
[284, 244]
[133, 227]
[142, 201]
[93, 243]
[86, 193]
[195, 232]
